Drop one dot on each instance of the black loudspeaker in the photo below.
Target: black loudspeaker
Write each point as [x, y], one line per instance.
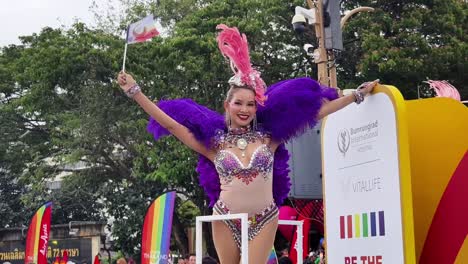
[306, 165]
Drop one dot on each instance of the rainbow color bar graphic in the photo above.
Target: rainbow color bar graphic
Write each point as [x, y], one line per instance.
[272, 258]
[38, 235]
[362, 225]
[157, 227]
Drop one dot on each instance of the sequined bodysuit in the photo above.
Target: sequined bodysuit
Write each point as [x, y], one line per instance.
[246, 188]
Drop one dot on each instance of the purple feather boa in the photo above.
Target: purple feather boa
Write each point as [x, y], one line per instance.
[281, 180]
[291, 107]
[209, 179]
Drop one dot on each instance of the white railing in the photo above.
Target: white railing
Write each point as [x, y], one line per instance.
[299, 240]
[244, 238]
[210, 218]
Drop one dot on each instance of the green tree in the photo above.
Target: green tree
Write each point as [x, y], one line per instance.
[12, 148]
[407, 43]
[44, 103]
[65, 122]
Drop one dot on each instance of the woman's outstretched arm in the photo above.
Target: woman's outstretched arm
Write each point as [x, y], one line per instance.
[128, 84]
[335, 105]
[329, 107]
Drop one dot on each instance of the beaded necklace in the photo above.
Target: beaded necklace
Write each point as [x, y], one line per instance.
[241, 138]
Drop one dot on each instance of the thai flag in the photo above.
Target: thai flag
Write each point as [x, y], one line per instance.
[142, 30]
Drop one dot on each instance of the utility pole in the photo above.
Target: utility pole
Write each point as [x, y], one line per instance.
[329, 37]
[322, 59]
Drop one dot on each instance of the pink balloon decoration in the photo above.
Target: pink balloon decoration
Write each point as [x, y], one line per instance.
[287, 213]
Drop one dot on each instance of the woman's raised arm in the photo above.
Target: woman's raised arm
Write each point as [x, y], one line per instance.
[130, 87]
[337, 104]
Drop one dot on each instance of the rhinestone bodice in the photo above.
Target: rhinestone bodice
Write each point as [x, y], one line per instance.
[245, 187]
[229, 166]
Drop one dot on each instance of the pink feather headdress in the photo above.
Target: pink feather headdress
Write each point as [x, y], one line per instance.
[444, 89]
[234, 46]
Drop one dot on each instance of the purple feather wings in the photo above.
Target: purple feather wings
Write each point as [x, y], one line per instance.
[292, 106]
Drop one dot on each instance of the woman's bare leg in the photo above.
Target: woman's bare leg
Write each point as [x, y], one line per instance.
[260, 247]
[226, 247]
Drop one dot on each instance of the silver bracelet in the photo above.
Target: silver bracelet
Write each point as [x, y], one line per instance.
[358, 96]
[133, 91]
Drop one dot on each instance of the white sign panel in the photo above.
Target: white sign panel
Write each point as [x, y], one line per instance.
[362, 186]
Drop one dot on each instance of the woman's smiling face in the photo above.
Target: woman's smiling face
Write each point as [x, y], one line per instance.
[241, 108]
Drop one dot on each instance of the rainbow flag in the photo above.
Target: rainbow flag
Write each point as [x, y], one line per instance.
[157, 226]
[38, 236]
[272, 258]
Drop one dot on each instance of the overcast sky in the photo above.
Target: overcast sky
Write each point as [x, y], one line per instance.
[24, 17]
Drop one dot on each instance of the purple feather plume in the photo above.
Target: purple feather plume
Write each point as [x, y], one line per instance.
[281, 181]
[208, 179]
[292, 107]
[201, 121]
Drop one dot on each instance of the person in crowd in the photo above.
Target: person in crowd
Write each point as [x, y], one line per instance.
[209, 260]
[284, 260]
[192, 259]
[121, 261]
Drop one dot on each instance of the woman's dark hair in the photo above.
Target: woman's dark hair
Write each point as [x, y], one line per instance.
[285, 260]
[209, 260]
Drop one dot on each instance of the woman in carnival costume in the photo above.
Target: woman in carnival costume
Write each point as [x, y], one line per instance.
[243, 162]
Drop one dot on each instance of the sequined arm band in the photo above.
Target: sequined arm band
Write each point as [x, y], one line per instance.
[133, 91]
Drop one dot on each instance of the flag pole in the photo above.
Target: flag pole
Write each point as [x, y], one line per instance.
[147, 25]
[124, 56]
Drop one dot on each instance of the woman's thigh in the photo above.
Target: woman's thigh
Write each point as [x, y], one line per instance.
[261, 245]
[226, 247]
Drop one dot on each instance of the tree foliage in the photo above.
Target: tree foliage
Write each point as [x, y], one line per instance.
[407, 43]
